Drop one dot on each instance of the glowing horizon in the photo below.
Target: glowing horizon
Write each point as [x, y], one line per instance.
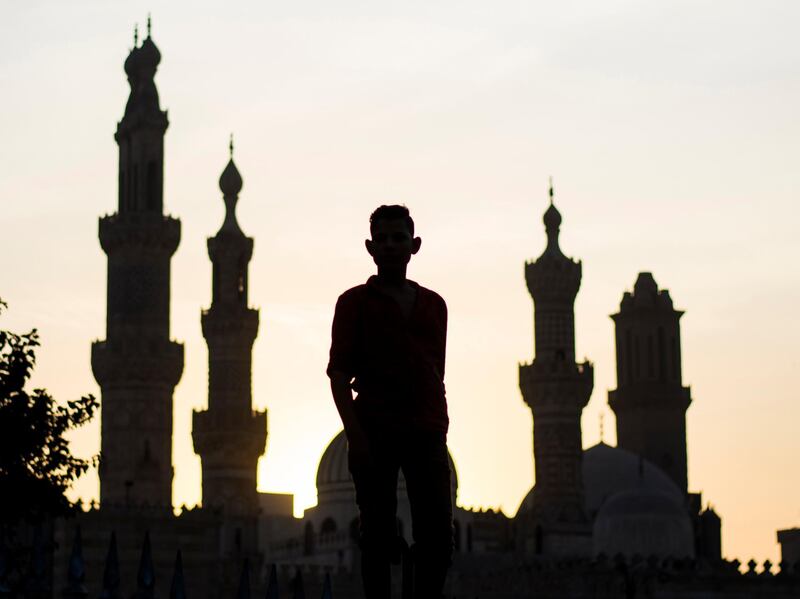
[669, 132]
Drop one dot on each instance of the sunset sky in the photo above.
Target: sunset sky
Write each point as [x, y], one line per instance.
[671, 130]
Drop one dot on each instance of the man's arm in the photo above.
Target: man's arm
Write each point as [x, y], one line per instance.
[343, 398]
[340, 370]
[443, 337]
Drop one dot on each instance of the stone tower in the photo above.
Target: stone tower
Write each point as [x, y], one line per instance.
[137, 366]
[229, 436]
[650, 401]
[556, 388]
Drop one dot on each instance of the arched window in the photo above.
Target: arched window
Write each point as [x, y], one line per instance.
[328, 526]
[308, 539]
[628, 355]
[152, 199]
[134, 199]
[662, 355]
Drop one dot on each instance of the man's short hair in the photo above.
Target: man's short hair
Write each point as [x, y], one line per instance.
[393, 212]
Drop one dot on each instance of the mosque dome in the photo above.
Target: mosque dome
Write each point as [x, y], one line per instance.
[333, 475]
[643, 522]
[608, 471]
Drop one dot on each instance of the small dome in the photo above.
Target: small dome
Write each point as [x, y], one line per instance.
[132, 62]
[230, 181]
[333, 475]
[643, 522]
[552, 218]
[149, 56]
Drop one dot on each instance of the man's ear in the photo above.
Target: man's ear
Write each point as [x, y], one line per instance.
[368, 245]
[416, 243]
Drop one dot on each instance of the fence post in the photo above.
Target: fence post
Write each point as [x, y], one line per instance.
[177, 590]
[244, 582]
[76, 570]
[299, 590]
[5, 589]
[111, 571]
[146, 577]
[327, 592]
[36, 586]
[272, 586]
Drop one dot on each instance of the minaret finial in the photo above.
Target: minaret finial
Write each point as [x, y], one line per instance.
[550, 191]
[148, 25]
[135, 35]
[230, 146]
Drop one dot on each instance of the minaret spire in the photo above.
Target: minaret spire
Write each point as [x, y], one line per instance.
[230, 436]
[136, 35]
[137, 366]
[148, 25]
[550, 190]
[230, 147]
[557, 389]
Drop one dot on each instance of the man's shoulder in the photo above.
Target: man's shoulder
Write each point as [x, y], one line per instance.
[354, 294]
[431, 296]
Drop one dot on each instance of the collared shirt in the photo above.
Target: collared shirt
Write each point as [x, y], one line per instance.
[396, 363]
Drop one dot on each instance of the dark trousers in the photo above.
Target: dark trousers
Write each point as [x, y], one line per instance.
[422, 457]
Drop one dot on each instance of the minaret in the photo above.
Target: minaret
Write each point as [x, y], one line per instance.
[650, 401]
[137, 366]
[554, 386]
[229, 436]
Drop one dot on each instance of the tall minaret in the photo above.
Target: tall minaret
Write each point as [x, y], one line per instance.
[554, 386]
[137, 366]
[650, 401]
[230, 436]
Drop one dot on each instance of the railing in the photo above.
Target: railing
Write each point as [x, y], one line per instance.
[37, 586]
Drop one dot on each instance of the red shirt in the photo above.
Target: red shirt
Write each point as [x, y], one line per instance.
[397, 364]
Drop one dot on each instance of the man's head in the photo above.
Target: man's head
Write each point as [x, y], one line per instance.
[392, 231]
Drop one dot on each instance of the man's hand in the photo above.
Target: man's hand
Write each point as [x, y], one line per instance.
[358, 453]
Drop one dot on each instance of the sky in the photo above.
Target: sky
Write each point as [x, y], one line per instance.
[671, 131]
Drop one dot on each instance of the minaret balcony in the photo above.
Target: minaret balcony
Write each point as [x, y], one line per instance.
[650, 395]
[231, 323]
[139, 232]
[137, 361]
[557, 285]
[237, 435]
[556, 386]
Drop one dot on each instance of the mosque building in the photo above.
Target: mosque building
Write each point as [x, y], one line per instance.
[629, 503]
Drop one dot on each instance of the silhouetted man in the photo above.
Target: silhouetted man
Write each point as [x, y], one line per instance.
[388, 346]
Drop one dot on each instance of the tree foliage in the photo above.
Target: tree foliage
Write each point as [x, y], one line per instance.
[36, 465]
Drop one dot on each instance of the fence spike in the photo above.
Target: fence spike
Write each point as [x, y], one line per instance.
[177, 589]
[244, 582]
[5, 589]
[327, 592]
[76, 570]
[146, 578]
[36, 585]
[272, 586]
[111, 570]
[299, 590]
